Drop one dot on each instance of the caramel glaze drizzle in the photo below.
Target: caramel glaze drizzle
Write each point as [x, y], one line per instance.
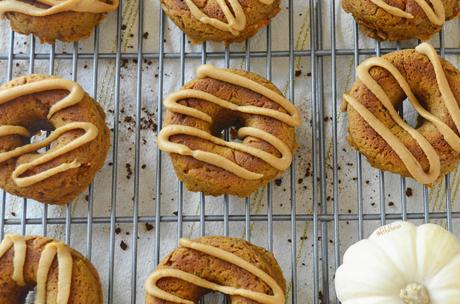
[436, 15]
[171, 103]
[236, 21]
[57, 6]
[152, 288]
[413, 165]
[65, 262]
[91, 131]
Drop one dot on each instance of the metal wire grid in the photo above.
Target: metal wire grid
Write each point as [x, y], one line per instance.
[324, 218]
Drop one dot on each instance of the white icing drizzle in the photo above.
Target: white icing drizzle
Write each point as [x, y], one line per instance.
[412, 164]
[279, 163]
[91, 132]
[14, 130]
[76, 94]
[57, 6]
[20, 248]
[236, 20]
[171, 103]
[152, 288]
[65, 265]
[436, 15]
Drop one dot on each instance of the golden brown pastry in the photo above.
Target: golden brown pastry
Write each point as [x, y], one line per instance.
[219, 99]
[244, 272]
[222, 21]
[60, 274]
[51, 20]
[79, 139]
[401, 19]
[425, 152]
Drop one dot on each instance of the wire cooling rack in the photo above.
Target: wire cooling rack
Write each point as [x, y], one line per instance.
[136, 210]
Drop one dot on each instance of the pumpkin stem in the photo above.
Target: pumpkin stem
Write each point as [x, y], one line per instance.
[415, 293]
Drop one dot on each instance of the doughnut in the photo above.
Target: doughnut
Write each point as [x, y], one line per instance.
[51, 20]
[60, 274]
[401, 19]
[221, 21]
[244, 272]
[425, 152]
[79, 140]
[217, 100]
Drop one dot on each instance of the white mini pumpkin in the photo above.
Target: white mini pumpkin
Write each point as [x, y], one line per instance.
[401, 263]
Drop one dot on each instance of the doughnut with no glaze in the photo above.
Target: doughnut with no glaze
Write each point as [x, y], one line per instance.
[78, 149]
[401, 19]
[209, 21]
[60, 274]
[51, 20]
[244, 272]
[221, 99]
[425, 152]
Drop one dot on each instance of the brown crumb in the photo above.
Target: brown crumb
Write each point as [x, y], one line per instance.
[129, 119]
[298, 73]
[234, 133]
[278, 181]
[148, 226]
[129, 170]
[409, 192]
[123, 246]
[117, 230]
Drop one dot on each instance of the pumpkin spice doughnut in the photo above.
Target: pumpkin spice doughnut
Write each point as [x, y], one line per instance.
[241, 270]
[217, 100]
[59, 273]
[221, 21]
[425, 152]
[51, 20]
[401, 19]
[79, 140]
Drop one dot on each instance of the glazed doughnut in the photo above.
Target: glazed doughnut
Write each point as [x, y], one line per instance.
[51, 20]
[432, 85]
[79, 141]
[221, 21]
[243, 271]
[219, 99]
[60, 274]
[401, 19]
